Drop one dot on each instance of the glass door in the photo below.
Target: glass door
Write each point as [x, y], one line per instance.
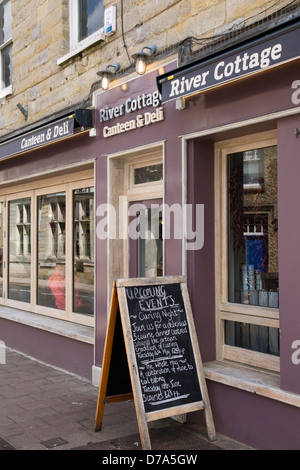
[146, 240]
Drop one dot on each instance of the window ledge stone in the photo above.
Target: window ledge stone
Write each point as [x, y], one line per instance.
[71, 330]
[91, 41]
[258, 381]
[5, 92]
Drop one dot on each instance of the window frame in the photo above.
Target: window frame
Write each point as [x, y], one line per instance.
[5, 90]
[225, 310]
[77, 46]
[44, 187]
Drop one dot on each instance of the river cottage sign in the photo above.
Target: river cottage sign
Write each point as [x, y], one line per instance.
[254, 57]
[129, 108]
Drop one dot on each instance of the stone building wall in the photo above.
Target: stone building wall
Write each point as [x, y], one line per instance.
[41, 37]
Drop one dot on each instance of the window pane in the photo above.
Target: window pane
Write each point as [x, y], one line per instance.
[19, 267]
[148, 174]
[6, 66]
[51, 250]
[83, 250]
[254, 337]
[253, 238]
[150, 243]
[90, 16]
[5, 22]
[1, 249]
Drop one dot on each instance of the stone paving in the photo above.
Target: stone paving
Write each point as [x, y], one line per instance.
[43, 408]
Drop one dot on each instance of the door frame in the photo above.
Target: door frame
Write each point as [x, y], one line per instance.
[121, 192]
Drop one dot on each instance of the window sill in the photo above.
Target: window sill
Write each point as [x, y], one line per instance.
[81, 47]
[5, 92]
[263, 383]
[71, 330]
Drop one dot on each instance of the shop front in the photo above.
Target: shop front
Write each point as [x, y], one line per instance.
[203, 183]
[239, 121]
[47, 243]
[190, 170]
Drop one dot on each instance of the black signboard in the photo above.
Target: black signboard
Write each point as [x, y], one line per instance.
[163, 347]
[263, 53]
[163, 370]
[42, 136]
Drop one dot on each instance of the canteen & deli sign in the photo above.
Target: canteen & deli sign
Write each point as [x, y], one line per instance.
[132, 105]
[41, 136]
[257, 56]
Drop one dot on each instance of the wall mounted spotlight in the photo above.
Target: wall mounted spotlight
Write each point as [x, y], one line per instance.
[142, 58]
[107, 74]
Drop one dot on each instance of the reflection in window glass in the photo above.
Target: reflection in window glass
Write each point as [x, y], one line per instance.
[91, 13]
[6, 66]
[5, 44]
[253, 247]
[19, 261]
[5, 22]
[1, 249]
[148, 174]
[150, 243]
[51, 250]
[83, 251]
[253, 240]
[253, 337]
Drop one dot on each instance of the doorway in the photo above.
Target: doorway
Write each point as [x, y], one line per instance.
[136, 191]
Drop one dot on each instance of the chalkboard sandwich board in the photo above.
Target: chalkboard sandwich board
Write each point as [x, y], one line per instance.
[152, 353]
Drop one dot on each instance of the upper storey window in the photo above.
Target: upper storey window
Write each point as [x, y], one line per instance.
[86, 21]
[5, 47]
[90, 17]
[86, 26]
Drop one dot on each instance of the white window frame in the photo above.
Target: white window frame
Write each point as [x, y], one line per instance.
[78, 46]
[4, 91]
[263, 316]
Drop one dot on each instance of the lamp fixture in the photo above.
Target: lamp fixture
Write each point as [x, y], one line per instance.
[107, 74]
[142, 58]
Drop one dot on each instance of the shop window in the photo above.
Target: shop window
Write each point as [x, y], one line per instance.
[148, 174]
[19, 249]
[86, 21]
[47, 247]
[83, 251]
[51, 250]
[247, 266]
[150, 243]
[5, 47]
[253, 238]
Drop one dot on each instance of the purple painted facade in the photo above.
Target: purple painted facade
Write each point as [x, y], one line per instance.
[257, 421]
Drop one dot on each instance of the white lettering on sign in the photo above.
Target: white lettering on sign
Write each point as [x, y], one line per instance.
[185, 85]
[59, 130]
[141, 120]
[130, 106]
[243, 64]
[32, 141]
[239, 66]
